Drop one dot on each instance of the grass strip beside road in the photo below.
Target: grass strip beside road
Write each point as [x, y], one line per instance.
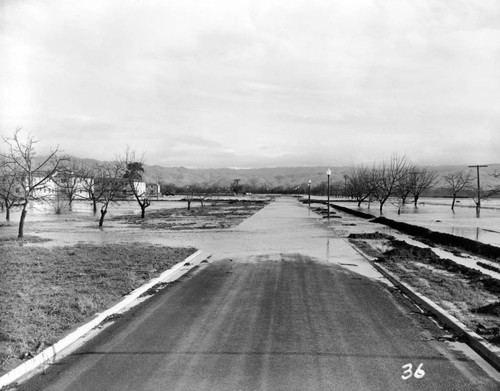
[45, 292]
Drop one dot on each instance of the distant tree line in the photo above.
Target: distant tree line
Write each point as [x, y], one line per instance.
[400, 180]
[396, 180]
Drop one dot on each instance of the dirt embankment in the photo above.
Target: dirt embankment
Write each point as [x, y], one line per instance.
[474, 247]
[431, 237]
[465, 292]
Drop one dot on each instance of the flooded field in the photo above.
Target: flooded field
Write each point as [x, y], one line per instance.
[436, 214]
[81, 225]
[44, 211]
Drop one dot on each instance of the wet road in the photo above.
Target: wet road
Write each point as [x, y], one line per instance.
[286, 312]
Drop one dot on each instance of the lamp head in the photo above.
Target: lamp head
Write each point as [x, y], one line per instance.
[328, 172]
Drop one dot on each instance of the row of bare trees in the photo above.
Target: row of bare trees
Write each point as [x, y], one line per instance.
[26, 177]
[396, 178]
[399, 179]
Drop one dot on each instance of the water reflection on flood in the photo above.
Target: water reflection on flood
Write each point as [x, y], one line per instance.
[45, 211]
[436, 214]
[284, 226]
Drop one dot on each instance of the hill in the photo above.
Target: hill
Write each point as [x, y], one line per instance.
[277, 176]
[283, 176]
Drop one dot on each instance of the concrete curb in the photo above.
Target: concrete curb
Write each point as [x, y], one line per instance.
[50, 355]
[486, 350]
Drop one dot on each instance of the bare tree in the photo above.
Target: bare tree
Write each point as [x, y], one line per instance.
[388, 176]
[361, 183]
[33, 174]
[71, 182]
[484, 194]
[108, 186]
[406, 184]
[189, 196]
[133, 169]
[88, 176]
[9, 188]
[236, 187]
[205, 192]
[458, 182]
[495, 190]
[423, 179]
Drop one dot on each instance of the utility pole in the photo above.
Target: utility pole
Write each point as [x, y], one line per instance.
[478, 185]
[328, 173]
[309, 183]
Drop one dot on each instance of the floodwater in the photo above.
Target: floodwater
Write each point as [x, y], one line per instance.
[284, 226]
[45, 211]
[436, 214]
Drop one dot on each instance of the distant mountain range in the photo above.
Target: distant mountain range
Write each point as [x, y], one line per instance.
[277, 176]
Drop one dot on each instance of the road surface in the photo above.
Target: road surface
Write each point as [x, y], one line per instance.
[279, 314]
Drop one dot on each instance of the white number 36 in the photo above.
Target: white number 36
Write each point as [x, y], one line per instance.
[419, 373]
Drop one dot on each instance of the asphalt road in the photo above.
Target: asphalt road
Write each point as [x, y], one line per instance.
[270, 321]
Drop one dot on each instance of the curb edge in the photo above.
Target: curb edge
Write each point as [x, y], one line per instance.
[482, 347]
[486, 350]
[50, 355]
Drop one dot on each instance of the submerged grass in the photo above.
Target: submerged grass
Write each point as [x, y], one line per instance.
[44, 292]
[219, 216]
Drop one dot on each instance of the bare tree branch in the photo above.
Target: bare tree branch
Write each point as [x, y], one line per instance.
[20, 160]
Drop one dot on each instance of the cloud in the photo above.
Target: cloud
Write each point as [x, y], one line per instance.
[254, 82]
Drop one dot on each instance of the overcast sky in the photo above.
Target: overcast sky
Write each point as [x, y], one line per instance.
[255, 83]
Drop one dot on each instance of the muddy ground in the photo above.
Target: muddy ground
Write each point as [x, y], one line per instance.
[222, 214]
[466, 293]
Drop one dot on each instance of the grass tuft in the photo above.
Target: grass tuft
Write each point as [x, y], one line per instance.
[45, 292]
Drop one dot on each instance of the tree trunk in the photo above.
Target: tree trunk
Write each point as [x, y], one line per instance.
[453, 203]
[7, 213]
[143, 204]
[104, 210]
[94, 205]
[415, 201]
[101, 220]
[189, 204]
[20, 233]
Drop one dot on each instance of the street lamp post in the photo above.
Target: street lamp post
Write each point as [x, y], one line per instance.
[328, 173]
[309, 199]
